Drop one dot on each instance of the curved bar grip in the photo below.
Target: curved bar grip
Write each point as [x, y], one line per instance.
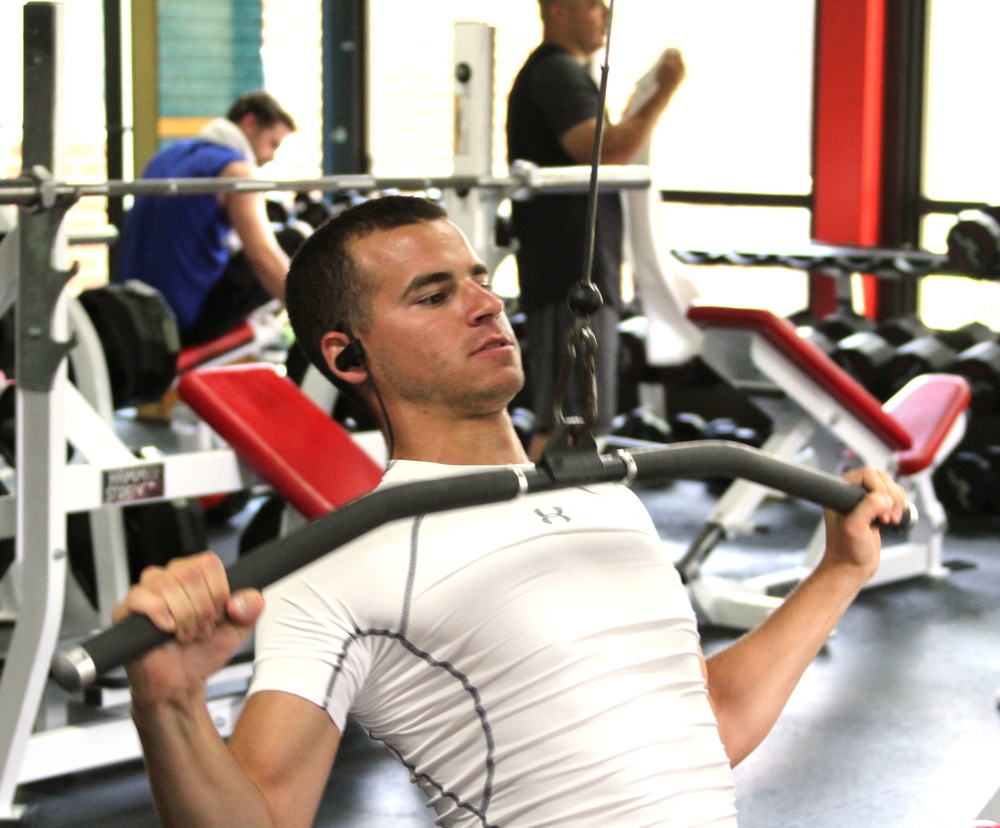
[713, 458]
[80, 666]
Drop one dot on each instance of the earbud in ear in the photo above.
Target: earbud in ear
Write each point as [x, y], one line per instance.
[352, 356]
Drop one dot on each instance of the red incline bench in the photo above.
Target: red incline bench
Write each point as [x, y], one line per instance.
[814, 405]
[281, 434]
[242, 342]
[229, 346]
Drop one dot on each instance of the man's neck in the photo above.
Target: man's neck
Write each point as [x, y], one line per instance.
[489, 441]
[567, 46]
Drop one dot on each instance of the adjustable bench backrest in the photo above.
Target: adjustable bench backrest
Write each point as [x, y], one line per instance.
[928, 406]
[282, 435]
[192, 356]
[816, 365]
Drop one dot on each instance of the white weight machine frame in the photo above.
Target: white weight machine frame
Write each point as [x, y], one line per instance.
[808, 416]
[49, 412]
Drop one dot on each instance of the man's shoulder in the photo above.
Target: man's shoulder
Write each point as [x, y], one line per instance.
[191, 156]
[550, 73]
[549, 57]
[238, 168]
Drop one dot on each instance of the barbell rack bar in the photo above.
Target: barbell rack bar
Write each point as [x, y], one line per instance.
[525, 180]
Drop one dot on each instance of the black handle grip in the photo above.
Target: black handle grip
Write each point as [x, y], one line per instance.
[80, 666]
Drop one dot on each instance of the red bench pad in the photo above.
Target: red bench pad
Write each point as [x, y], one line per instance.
[195, 355]
[813, 362]
[927, 407]
[281, 434]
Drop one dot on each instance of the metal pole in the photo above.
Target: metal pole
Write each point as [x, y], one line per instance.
[523, 182]
[114, 113]
[345, 104]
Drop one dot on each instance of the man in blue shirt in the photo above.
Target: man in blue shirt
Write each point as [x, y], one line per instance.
[181, 244]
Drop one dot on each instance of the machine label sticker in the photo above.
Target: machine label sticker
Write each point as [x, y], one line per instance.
[131, 483]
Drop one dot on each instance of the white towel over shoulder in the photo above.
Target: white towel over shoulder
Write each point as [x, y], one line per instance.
[225, 133]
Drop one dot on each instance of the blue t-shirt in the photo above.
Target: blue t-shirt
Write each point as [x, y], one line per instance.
[177, 244]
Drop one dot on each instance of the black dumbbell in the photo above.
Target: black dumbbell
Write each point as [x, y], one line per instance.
[277, 212]
[692, 372]
[923, 355]
[726, 428]
[865, 356]
[812, 334]
[312, 208]
[902, 329]
[980, 365]
[967, 482]
[640, 424]
[974, 242]
[972, 333]
[686, 426]
[843, 323]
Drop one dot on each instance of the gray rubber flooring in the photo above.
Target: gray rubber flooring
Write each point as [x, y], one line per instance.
[895, 724]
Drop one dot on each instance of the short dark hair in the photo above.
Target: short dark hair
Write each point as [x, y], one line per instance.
[325, 290]
[262, 104]
[545, 5]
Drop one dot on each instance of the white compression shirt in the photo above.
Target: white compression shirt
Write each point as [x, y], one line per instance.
[533, 663]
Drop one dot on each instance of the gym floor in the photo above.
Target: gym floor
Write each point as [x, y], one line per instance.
[895, 724]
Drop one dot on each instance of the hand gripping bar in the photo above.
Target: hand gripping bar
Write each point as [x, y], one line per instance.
[81, 665]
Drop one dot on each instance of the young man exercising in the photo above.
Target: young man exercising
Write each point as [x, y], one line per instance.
[532, 663]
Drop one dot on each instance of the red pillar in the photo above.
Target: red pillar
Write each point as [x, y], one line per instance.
[848, 134]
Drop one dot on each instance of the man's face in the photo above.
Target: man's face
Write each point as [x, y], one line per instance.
[439, 338]
[587, 23]
[264, 140]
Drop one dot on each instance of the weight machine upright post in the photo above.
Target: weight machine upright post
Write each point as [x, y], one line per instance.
[475, 210]
[40, 555]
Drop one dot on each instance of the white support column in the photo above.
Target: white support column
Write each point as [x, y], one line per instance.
[475, 210]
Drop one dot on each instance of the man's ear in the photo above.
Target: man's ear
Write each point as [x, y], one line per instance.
[248, 123]
[344, 357]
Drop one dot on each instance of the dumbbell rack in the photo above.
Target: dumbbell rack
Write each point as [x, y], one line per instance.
[832, 260]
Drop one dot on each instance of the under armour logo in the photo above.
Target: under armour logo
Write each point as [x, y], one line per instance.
[557, 512]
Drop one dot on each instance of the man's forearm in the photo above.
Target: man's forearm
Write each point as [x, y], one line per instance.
[270, 265]
[623, 140]
[269, 262]
[750, 681]
[194, 779]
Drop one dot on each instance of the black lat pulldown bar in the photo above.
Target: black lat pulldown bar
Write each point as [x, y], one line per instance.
[81, 665]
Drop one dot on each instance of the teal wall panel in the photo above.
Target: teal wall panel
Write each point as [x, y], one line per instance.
[209, 53]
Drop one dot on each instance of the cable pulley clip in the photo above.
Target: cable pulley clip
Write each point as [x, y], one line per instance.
[580, 339]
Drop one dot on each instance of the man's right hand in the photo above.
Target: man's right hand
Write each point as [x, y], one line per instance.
[672, 71]
[189, 598]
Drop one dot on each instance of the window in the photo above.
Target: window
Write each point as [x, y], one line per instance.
[959, 148]
[740, 124]
[82, 147]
